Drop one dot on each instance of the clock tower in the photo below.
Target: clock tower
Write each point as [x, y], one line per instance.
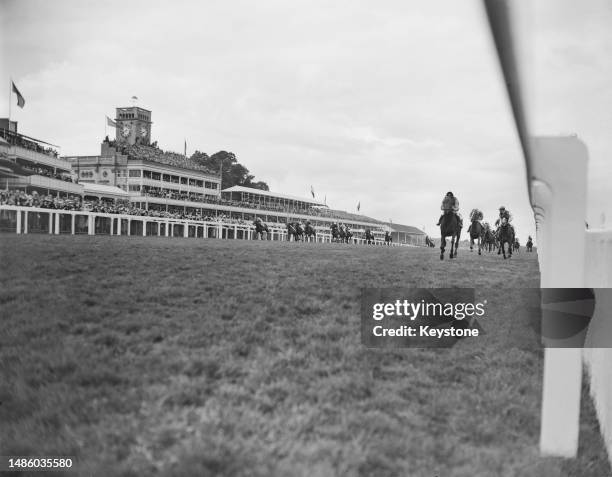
[133, 125]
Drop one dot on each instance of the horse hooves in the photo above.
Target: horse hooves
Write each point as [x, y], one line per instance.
[479, 252]
[441, 256]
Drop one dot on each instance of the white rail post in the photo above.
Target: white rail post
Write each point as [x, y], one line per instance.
[18, 222]
[50, 222]
[25, 222]
[559, 170]
[57, 223]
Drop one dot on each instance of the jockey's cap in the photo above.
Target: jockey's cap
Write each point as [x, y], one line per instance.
[449, 194]
[502, 208]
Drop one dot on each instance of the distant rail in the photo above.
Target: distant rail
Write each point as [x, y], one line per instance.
[29, 220]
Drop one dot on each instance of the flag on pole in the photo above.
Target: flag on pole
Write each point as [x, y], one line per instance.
[110, 122]
[185, 147]
[358, 206]
[20, 100]
[312, 192]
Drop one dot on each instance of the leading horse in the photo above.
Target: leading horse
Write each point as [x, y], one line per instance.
[450, 226]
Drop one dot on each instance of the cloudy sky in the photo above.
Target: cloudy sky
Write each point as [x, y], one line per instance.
[390, 104]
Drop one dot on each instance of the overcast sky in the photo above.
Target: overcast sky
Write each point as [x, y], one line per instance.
[390, 104]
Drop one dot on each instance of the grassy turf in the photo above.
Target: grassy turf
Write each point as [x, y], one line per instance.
[180, 357]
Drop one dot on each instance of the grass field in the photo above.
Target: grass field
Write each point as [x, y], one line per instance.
[183, 357]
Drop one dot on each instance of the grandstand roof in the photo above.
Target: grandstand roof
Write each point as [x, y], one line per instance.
[408, 229]
[102, 189]
[276, 195]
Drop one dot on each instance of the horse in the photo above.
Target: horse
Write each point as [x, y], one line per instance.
[335, 233]
[505, 234]
[310, 232]
[476, 231]
[369, 236]
[429, 242]
[294, 230]
[488, 240]
[388, 239]
[260, 228]
[529, 245]
[450, 226]
[516, 245]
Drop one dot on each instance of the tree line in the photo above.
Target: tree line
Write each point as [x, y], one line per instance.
[233, 173]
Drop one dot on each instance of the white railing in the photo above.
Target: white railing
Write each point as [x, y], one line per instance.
[25, 220]
[571, 257]
[598, 354]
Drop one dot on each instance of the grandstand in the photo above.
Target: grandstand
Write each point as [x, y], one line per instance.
[133, 176]
[406, 234]
[153, 178]
[31, 165]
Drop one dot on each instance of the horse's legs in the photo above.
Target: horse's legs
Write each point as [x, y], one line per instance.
[442, 247]
[471, 244]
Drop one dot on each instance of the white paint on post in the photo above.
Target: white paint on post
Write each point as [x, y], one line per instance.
[558, 186]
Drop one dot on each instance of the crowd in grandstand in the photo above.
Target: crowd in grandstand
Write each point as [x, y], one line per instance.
[21, 198]
[19, 140]
[154, 153]
[124, 207]
[46, 172]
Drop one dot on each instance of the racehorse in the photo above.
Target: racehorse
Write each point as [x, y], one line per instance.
[429, 242]
[388, 239]
[260, 228]
[295, 230]
[310, 232]
[488, 238]
[529, 245]
[450, 226]
[335, 233]
[505, 234]
[346, 234]
[476, 231]
[516, 245]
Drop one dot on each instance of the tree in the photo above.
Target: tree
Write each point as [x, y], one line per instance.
[233, 173]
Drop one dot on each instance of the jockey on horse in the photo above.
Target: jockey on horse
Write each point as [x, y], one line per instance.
[505, 217]
[505, 231]
[450, 203]
[476, 229]
[260, 228]
[450, 224]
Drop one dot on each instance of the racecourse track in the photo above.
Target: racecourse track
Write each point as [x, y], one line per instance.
[177, 357]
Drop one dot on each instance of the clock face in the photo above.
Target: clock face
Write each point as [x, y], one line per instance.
[143, 131]
[125, 131]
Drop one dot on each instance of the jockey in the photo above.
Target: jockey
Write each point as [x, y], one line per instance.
[450, 203]
[504, 215]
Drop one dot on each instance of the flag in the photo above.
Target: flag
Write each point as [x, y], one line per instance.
[312, 192]
[20, 100]
[110, 122]
[359, 206]
[185, 147]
